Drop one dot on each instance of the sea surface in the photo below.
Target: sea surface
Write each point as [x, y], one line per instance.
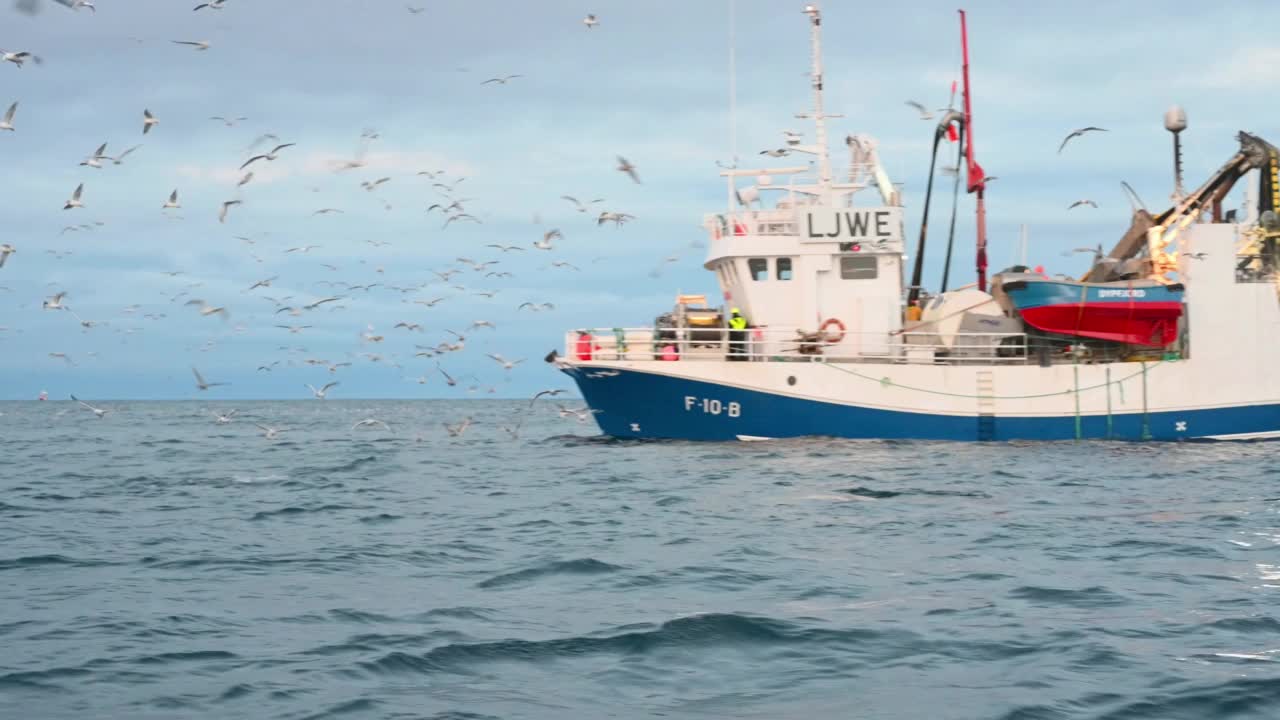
[154, 564]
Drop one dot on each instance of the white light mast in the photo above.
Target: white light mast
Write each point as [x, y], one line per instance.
[818, 115]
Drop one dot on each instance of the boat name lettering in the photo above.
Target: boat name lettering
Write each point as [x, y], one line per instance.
[712, 406]
[1122, 293]
[875, 226]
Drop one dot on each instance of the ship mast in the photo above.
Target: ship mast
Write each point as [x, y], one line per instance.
[977, 180]
[818, 114]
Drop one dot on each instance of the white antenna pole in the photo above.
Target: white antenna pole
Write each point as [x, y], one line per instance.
[1022, 242]
[819, 118]
[733, 84]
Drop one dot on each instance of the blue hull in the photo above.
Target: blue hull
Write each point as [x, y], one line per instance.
[633, 404]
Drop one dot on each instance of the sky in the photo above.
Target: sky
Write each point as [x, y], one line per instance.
[650, 82]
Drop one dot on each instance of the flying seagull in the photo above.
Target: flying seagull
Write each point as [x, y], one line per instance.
[148, 120]
[920, 108]
[224, 419]
[229, 122]
[201, 384]
[74, 202]
[7, 122]
[197, 44]
[222, 212]
[628, 168]
[501, 80]
[95, 160]
[98, 412]
[371, 422]
[1078, 203]
[172, 203]
[321, 392]
[590, 21]
[1078, 133]
[269, 156]
[212, 5]
[18, 58]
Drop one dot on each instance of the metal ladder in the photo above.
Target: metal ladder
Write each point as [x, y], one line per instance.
[986, 405]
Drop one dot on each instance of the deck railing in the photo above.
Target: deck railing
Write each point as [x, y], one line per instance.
[792, 345]
[753, 222]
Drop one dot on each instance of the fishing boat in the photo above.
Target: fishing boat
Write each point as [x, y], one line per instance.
[816, 331]
[1139, 312]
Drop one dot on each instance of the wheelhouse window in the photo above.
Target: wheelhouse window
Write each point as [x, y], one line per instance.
[858, 267]
[759, 268]
[783, 268]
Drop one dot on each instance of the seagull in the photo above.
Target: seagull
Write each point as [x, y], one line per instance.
[147, 121]
[780, 152]
[172, 203]
[477, 324]
[448, 379]
[201, 384]
[616, 218]
[505, 363]
[74, 202]
[590, 21]
[581, 414]
[414, 10]
[95, 160]
[506, 248]
[1078, 133]
[546, 393]
[229, 122]
[77, 4]
[371, 186]
[924, 113]
[327, 211]
[17, 58]
[458, 429]
[223, 419]
[501, 80]
[563, 264]
[269, 433]
[294, 329]
[302, 249]
[5, 251]
[271, 156]
[320, 302]
[371, 422]
[55, 302]
[262, 283]
[222, 211]
[628, 168]
[410, 326]
[578, 204]
[212, 5]
[99, 412]
[1078, 203]
[547, 237]
[120, 159]
[319, 394]
[199, 45]
[7, 122]
[206, 309]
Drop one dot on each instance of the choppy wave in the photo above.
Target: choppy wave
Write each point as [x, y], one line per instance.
[207, 573]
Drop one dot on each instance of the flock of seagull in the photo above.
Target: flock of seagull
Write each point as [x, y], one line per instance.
[452, 207]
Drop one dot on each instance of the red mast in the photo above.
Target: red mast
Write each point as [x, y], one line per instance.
[977, 182]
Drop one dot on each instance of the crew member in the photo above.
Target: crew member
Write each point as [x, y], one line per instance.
[737, 335]
[913, 311]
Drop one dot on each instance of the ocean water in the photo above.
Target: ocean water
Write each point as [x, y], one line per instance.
[154, 564]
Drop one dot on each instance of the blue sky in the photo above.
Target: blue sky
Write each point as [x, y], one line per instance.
[650, 83]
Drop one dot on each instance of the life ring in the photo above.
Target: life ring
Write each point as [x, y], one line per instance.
[828, 337]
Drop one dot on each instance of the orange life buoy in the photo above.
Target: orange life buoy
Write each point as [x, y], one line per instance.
[828, 337]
